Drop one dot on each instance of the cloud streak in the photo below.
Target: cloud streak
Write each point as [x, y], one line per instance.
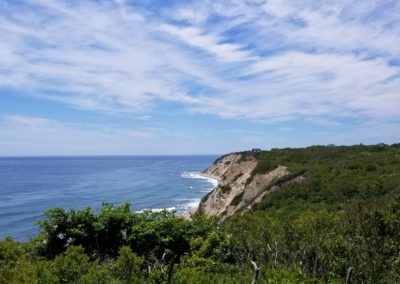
[24, 135]
[264, 61]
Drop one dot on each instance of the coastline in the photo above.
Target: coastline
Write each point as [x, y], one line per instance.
[192, 208]
[211, 179]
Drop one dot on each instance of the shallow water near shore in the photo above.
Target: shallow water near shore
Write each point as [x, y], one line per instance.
[29, 186]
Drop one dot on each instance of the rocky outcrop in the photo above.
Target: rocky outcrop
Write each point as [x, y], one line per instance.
[232, 172]
[238, 189]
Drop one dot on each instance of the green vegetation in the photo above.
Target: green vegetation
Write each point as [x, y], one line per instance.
[344, 216]
[225, 188]
[237, 199]
[334, 175]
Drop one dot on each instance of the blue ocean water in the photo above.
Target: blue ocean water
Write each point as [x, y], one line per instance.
[29, 186]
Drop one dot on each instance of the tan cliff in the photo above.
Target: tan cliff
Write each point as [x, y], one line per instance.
[238, 189]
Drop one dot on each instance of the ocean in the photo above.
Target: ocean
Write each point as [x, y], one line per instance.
[30, 186]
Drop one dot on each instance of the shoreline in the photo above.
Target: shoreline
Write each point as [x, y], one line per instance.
[186, 214]
[216, 179]
[212, 179]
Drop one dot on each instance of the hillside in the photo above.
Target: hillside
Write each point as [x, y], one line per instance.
[239, 188]
[310, 215]
[318, 174]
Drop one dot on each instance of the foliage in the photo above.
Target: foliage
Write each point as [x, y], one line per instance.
[237, 199]
[67, 267]
[128, 267]
[344, 215]
[333, 175]
[225, 188]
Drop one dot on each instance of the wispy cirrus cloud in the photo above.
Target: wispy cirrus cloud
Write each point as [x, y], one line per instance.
[267, 61]
[24, 135]
[28, 121]
[41, 123]
[225, 52]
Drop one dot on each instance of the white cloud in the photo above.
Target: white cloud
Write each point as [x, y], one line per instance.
[28, 121]
[193, 36]
[24, 135]
[265, 61]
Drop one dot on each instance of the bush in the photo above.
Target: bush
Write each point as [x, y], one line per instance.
[346, 213]
[68, 267]
[128, 267]
[237, 199]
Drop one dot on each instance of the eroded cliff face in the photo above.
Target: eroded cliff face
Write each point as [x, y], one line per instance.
[238, 189]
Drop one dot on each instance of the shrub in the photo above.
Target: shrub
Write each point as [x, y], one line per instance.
[237, 199]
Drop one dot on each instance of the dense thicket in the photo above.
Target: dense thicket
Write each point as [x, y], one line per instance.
[334, 175]
[117, 245]
[341, 221]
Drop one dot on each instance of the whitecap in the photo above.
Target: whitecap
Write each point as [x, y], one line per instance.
[187, 204]
[156, 209]
[197, 175]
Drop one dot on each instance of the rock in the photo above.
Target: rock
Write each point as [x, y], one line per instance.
[237, 188]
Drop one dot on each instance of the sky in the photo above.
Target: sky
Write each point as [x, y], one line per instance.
[196, 77]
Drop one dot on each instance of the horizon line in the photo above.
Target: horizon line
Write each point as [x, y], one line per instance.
[104, 155]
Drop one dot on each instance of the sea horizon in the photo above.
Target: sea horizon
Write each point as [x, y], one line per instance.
[107, 155]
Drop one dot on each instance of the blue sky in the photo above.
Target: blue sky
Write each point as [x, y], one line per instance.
[196, 77]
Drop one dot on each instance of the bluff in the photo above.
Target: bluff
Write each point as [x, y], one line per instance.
[240, 186]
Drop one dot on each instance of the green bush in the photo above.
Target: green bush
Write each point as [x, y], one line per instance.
[68, 267]
[344, 214]
[128, 266]
[237, 199]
